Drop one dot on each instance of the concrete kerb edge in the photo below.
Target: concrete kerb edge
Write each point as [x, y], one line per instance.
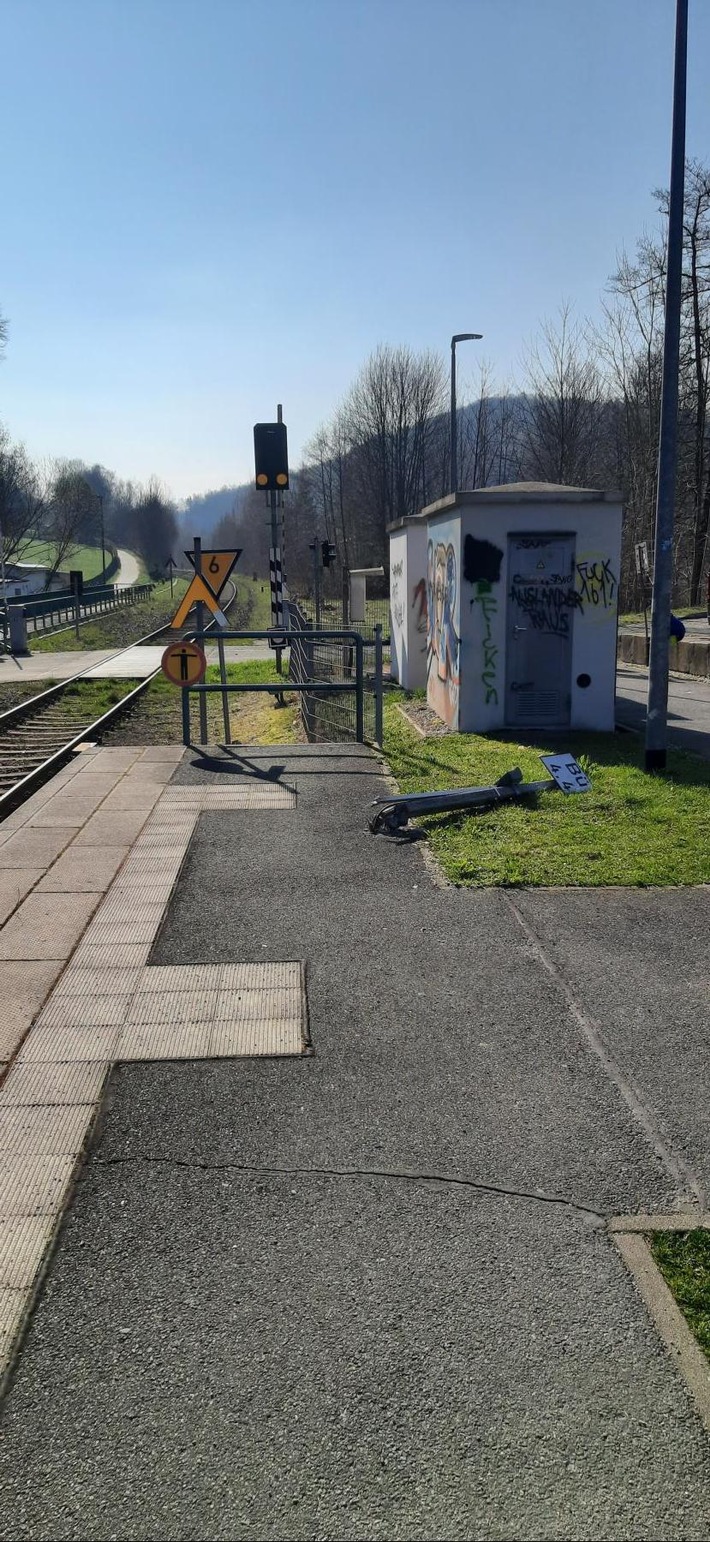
[629, 1236]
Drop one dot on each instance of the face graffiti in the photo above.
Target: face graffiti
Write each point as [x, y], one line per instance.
[442, 637]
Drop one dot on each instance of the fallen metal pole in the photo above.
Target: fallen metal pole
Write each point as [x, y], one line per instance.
[394, 813]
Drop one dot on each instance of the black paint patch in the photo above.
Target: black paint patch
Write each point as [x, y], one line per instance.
[481, 561]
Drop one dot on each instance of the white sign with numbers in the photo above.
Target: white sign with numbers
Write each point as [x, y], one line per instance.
[567, 773]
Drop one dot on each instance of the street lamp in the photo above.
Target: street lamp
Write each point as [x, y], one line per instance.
[103, 541]
[459, 337]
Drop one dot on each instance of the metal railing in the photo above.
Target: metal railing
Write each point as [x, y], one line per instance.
[53, 611]
[325, 667]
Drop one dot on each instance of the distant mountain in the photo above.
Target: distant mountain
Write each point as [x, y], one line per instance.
[202, 511]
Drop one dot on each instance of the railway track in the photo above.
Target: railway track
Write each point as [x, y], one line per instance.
[39, 734]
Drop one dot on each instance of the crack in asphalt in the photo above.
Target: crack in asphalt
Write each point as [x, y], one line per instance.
[400, 1175]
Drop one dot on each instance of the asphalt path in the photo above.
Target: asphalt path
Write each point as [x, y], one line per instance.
[370, 1293]
[688, 707]
[129, 570]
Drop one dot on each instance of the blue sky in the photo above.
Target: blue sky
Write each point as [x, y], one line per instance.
[214, 205]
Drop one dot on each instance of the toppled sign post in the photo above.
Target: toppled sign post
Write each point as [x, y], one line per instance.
[393, 814]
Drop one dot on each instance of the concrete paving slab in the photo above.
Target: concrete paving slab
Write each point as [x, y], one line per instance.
[34, 848]
[23, 1241]
[112, 829]
[50, 1082]
[15, 883]
[50, 666]
[46, 926]
[82, 870]
[51, 1130]
[33, 1185]
[22, 993]
[66, 810]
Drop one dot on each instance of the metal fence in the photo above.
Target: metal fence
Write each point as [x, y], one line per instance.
[339, 699]
[334, 613]
[333, 661]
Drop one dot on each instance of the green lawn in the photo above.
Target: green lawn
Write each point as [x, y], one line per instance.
[88, 558]
[684, 611]
[253, 602]
[630, 829]
[684, 1261]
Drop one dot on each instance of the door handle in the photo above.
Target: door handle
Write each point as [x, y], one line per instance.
[520, 629]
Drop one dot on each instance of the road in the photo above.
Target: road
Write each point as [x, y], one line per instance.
[688, 707]
[130, 571]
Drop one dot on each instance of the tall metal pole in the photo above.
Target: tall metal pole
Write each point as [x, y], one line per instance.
[3, 578]
[454, 434]
[657, 709]
[200, 613]
[103, 541]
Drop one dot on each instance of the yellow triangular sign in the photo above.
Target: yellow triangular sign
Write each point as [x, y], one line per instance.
[198, 590]
[216, 567]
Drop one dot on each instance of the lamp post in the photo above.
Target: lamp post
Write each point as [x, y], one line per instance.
[103, 541]
[458, 337]
[657, 707]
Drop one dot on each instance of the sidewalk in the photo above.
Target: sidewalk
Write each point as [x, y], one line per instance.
[358, 1282]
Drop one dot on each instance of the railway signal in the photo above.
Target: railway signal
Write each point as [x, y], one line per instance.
[271, 457]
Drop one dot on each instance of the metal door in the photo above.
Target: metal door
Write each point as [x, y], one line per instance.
[541, 605]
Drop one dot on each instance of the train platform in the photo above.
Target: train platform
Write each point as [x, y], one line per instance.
[322, 1181]
[135, 663]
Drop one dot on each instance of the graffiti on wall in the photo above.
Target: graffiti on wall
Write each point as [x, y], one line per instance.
[597, 585]
[443, 642]
[419, 606]
[396, 594]
[481, 568]
[548, 606]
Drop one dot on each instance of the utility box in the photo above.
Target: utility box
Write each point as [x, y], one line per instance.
[522, 593]
[18, 630]
[408, 602]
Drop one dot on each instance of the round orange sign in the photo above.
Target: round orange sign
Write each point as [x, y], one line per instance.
[184, 663]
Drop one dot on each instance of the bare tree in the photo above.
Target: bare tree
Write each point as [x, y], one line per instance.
[562, 417]
[21, 498]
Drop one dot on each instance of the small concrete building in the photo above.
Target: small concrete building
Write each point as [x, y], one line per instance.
[521, 605]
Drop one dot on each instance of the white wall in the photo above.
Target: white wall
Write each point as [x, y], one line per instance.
[597, 531]
[444, 617]
[475, 700]
[408, 605]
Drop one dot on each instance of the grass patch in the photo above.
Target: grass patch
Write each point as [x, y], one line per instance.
[630, 829]
[686, 612]
[253, 602]
[89, 699]
[156, 717]
[88, 558]
[684, 1261]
